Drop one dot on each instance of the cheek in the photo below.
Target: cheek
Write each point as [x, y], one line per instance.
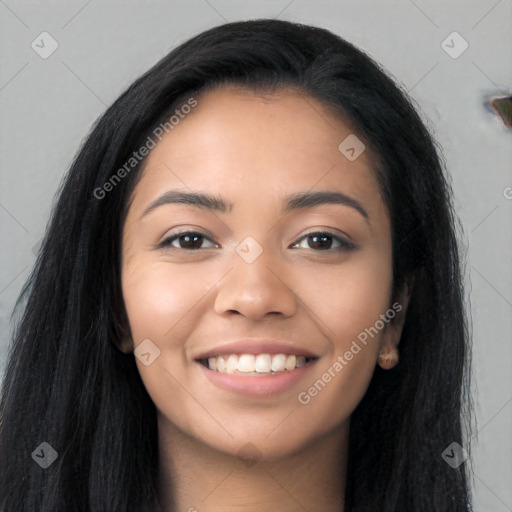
[158, 298]
[347, 299]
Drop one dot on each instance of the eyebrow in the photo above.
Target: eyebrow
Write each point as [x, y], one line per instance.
[293, 202]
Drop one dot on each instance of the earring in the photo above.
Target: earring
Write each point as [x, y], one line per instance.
[388, 360]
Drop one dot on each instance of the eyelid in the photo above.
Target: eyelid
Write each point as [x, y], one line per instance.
[327, 230]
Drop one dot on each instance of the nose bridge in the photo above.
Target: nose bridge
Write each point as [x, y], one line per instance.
[254, 287]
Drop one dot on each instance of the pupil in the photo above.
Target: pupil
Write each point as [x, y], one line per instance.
[320, 242]
[190, 241]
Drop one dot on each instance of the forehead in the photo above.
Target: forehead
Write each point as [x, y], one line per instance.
[271, 143]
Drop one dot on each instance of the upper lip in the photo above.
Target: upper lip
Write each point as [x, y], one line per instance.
[256, 346]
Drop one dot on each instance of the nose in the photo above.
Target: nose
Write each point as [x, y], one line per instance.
[255, 290]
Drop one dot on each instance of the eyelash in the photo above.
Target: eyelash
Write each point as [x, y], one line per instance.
[344, 244]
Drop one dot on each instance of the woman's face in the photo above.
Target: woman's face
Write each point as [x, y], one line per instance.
[253, 238]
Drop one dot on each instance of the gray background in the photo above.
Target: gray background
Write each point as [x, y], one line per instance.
[48, 106]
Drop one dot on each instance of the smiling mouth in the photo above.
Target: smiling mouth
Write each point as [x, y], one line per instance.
[255, 365]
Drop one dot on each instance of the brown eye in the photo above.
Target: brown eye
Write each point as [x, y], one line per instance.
[188, 240]
[321, 241]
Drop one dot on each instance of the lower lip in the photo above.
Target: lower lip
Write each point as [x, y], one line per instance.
[256, 386]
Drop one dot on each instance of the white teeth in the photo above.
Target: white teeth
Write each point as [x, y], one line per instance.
[262, 363]
[221, 364]
[246, 363]
[232, 365]
[278, 363]
[251, 364]
[290, 362]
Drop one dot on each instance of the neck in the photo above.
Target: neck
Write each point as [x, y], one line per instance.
[194, 477]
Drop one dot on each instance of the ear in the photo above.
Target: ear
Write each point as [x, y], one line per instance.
[120, 333]
[125, 344]
[389, 353]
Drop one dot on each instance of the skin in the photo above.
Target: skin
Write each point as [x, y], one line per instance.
[252, 151]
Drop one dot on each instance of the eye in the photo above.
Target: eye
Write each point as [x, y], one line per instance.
[323, 241]
[187, 240]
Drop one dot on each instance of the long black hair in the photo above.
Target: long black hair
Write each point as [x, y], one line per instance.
[67, 383]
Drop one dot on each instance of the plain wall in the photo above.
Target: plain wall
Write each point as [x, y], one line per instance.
[48, 105]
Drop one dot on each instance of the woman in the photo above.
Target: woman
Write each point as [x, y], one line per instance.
[248, 298]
